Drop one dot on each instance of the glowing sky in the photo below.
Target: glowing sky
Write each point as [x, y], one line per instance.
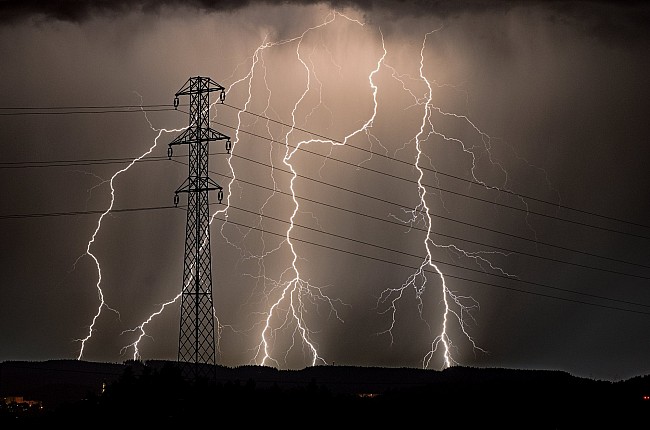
[536, 110]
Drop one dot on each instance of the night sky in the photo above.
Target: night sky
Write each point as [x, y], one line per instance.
[518, 128]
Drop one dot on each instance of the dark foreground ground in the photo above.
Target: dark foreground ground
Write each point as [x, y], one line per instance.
[75, 393]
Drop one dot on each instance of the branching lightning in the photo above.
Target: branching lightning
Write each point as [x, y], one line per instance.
[292, 292]
[289, 296]
[141, 328]
[100, 292]
[455, 307]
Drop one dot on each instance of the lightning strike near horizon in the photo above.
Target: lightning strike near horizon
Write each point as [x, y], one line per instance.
[293, 293]
[454, 305]
[298, 288]
[289, 306]
[141, 328]
[100, 292]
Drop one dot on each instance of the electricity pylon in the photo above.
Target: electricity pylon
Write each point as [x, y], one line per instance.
[196, 343]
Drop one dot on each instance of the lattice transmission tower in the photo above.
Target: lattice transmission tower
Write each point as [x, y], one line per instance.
[196, 343]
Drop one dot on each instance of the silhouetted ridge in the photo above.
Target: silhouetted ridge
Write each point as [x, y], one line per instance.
[155, 392]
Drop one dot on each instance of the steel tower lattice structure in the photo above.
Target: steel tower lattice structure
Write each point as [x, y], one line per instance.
[196, 343]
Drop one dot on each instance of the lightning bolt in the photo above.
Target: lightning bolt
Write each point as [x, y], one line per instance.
[297, 290]
[100, 292]
[292, 292]
[141, 328]
[456, 307]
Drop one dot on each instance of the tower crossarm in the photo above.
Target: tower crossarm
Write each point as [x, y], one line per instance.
[194, 135]
[199, 84]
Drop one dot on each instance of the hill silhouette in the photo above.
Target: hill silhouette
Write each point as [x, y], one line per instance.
[155, 392]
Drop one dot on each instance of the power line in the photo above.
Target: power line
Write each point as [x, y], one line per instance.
[117, 160]
[436, 215]
[67, 163]
[81, 112]
[523, 196]
[51, 110]
[496, 247]
[26, 164]
[70, 163]
[76, 213]
[75, 110]
[446, 274]
[61, 163]
[411, 227]
[72, 213]
[527, 211]
[434, 261]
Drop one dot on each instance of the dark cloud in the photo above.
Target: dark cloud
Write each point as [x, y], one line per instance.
[617, 21]
[78, 10]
